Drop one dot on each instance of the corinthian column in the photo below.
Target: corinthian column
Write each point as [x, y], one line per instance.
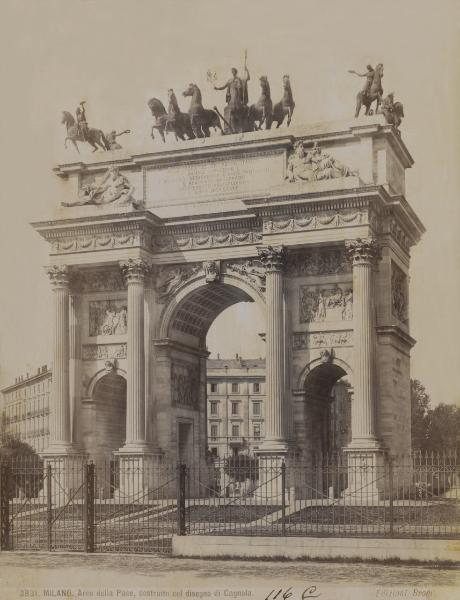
[134, 271]
[275, 440]
[60, 434]
[364, 254]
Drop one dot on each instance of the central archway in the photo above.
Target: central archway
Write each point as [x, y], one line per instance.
[181, 360]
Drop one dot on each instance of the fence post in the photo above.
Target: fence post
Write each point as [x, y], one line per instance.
[4, 506]
[391, 492]
[181, 500]
[49, 507]
[283, 498]
[88, 499]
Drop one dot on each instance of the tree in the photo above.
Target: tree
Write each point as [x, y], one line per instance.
[420, 406]
[443, 428]
[241, 467]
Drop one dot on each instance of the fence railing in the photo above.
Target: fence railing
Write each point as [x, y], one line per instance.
[128, 505]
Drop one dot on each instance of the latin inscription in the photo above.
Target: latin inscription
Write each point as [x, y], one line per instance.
[229, 177]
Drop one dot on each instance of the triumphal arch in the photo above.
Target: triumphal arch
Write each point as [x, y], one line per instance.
[146, 250]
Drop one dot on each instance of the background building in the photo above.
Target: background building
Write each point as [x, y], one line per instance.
[235, 404]
[236, 409]
[26, 408]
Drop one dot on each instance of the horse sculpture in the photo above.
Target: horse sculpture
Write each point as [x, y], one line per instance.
[173, 121]
[373, 94]
[262, 111]
[201, 119]
[94, 137]
[285, 107]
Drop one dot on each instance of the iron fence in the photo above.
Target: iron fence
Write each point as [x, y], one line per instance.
[129, 505]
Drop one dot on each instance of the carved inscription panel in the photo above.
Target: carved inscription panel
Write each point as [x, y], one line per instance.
[214, 179]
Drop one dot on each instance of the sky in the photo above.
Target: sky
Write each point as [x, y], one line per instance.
[117, 54]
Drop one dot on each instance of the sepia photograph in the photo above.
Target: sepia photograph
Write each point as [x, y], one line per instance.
[229, 314]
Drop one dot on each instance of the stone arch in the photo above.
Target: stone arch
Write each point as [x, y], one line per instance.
[326, 406]
[109, 395]
[339, 364]
[99, 375]
[202, 302]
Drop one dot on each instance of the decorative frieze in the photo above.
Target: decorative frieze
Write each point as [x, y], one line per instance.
[329, 339]
[192, 241]
[104, 241]
[108, 317]
[309, 221]
[314, 165]
[185, 384]
[325, 303]
[104, 351]
[318, 261]
[399, 293]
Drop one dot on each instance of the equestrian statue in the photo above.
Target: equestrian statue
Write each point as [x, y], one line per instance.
[372, 90]
[78, 130]
[285, 107]
[201, 119]
[262, 111]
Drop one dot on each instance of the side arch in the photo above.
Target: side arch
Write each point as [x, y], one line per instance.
[99, 375]
[342, 368]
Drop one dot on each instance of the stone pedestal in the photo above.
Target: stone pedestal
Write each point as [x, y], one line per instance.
[366, 476]
[67, 477]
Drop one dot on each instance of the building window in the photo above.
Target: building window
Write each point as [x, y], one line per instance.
[213, 451]
[234, 408]
[256, 409]
[214, 431]
[235, 388]
[235, 430]
[213, 388]
[256, 388]
[256, 429]
[214, 408]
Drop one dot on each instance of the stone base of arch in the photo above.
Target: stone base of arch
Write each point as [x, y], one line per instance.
[139, 474]
[367, 475]
[66, 475]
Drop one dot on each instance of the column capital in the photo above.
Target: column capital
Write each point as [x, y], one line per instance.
[135, 270]
[273, 257]
[59, 276]
[363, 250]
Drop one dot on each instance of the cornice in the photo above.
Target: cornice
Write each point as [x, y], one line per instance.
[395, 331]
[169, 344]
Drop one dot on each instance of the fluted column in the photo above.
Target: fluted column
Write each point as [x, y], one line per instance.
[60, 434]
[275, 407]
[134, 272]
[364, 254]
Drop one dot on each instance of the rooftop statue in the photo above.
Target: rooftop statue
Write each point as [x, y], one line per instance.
[392, 111]
[171, 121]
[201, 119]
[285, 107]
[262, 111]
[112, 139]
[78, 130]
[236, 96]
[314, 165]
[372, 89]
[114, 188]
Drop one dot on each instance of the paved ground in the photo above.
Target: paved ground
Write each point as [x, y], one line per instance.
[75, 576]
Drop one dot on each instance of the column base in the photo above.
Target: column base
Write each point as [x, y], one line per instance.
[366, 475]
[68, 471]
[272, 455]
[139, 474]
